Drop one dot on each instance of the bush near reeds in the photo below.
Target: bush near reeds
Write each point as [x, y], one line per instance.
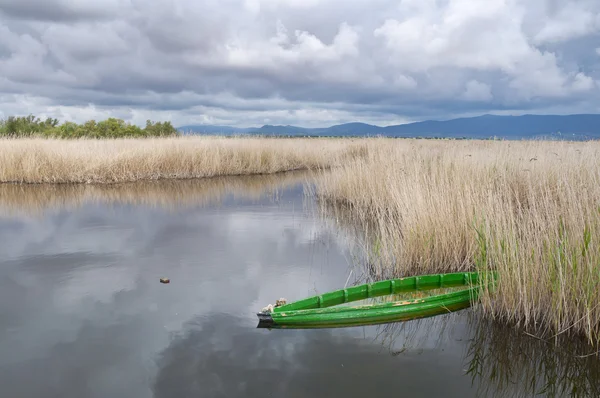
[31, 126]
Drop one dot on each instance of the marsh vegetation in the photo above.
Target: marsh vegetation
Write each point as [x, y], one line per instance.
[39, 160]
[530, 209]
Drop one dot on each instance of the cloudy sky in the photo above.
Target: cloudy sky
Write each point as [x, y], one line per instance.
[305, 62]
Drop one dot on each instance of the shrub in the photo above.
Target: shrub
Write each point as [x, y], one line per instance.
[28, 126]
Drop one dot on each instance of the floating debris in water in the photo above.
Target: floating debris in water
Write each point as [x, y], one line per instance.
[165, 280]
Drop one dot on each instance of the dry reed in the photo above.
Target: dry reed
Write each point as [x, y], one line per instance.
[530, 210]
[125, 160]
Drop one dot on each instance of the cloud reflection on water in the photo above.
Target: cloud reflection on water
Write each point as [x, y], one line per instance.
[82, 312]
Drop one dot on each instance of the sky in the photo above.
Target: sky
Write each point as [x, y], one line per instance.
[303, 62]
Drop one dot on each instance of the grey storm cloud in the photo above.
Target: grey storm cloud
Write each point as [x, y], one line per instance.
[60, 10]
[308, 62]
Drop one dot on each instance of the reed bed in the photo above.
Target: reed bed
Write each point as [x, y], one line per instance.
[530, 210]
[125, 160]
[36, 199]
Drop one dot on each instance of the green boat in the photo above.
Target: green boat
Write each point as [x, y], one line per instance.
[387, 301]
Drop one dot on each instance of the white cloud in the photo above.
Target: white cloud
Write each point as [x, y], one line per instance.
[477, 91]
[405, 82]
[581, 82]
[574, 19]
[241, 112]
[300, 50]
[244, 61]
[454, 36]
[486, 36]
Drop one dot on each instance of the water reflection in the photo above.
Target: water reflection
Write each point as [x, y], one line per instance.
[223, 359]
[82, 312]
[167, 194]
[505, 362]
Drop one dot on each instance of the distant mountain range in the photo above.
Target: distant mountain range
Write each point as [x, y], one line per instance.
[569, 127]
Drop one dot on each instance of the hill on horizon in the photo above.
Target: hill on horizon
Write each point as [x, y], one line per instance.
[570, 127]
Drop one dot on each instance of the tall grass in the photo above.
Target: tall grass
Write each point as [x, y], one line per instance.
[530, 210]
[125, 160]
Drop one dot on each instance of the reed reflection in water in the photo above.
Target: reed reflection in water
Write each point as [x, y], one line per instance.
[507, 362]
[168, 194]
[218, 350]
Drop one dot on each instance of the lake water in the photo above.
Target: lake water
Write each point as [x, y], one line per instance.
[82, 312]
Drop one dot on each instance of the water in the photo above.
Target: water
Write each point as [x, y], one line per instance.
[82, 312]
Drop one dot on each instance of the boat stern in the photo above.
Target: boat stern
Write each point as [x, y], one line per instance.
[264, 316]
[265, 320]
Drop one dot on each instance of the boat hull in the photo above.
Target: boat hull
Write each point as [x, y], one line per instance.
[324, 311]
